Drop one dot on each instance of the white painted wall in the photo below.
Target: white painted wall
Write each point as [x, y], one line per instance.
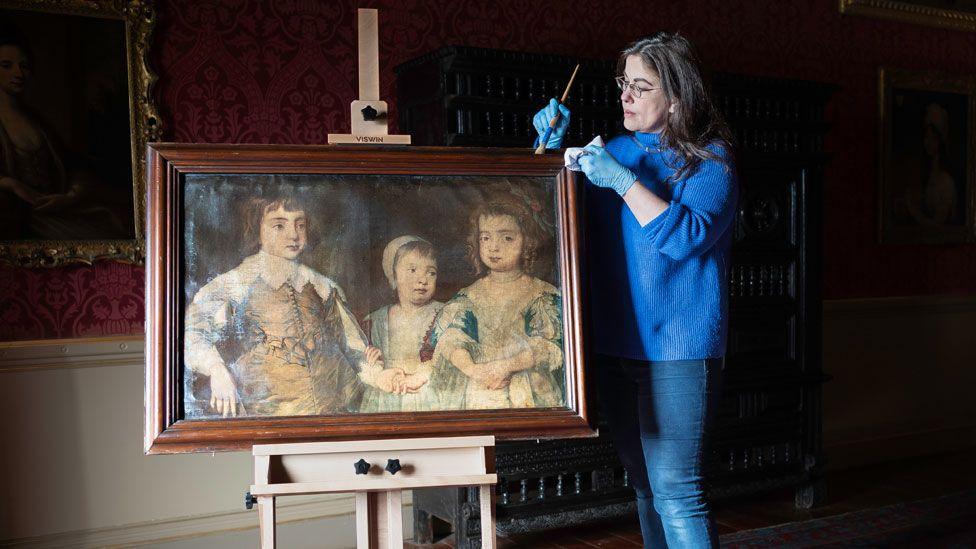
[73, 458]
[904, 372]
[73, 473]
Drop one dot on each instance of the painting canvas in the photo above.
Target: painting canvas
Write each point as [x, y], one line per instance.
[927, 187]
[369, 297]
[464, 270]
[69, 131]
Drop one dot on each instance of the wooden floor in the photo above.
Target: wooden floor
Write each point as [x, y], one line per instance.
[850, 490]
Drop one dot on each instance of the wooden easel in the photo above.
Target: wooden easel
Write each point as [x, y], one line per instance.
[377, 471]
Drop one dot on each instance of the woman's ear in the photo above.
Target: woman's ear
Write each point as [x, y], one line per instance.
[673, 107]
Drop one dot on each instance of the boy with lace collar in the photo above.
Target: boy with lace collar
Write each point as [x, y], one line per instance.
[274, 336]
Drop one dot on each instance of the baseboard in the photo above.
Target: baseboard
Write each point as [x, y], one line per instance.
[858, 453]
[195, 526]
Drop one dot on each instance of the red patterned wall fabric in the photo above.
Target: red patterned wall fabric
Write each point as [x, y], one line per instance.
[284, 71]
[76, 301]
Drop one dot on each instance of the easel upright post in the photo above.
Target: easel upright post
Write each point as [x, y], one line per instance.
[369, 56]
[266, 504]
[379, 519]
[266, 522]
[369, 115]
[486, 493]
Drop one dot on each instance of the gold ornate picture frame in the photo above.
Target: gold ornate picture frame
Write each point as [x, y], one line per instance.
[947, 16]
[926, 166]
[80, 139]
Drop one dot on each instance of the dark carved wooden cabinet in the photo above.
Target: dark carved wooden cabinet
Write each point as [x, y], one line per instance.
[768, 432]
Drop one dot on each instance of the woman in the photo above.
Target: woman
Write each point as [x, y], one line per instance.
[934, 204]
[660, 208]
[41, 194]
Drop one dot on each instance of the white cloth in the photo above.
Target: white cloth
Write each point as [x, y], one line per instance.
[572, 154]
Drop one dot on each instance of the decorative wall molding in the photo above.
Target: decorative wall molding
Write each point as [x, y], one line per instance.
[848, 454]
[71, 353]
[924, 304]
[195, 526]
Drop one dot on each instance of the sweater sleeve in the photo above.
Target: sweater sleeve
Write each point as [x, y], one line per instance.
[691, 225]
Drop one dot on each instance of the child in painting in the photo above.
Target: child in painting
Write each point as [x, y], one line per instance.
[498, 342]
[275, 337]
[402, 330]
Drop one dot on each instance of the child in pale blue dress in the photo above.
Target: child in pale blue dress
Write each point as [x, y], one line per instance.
[499, 342]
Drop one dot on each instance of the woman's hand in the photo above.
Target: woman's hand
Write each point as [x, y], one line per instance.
[54, 202]
[542, 119]
[223, 392]
[22, 191]
[603, 170]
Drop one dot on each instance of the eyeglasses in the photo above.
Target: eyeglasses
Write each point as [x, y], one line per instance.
[635, 90]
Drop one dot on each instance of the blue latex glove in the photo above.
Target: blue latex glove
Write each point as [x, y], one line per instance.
[603, 170]
[541, 122]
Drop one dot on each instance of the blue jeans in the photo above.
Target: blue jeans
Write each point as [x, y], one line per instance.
[659, 415]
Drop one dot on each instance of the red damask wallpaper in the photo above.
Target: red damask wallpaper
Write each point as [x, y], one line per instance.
[284, 71]
[75, 301]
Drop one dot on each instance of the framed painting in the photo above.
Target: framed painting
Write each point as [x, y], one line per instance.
[303, 293]
[946, 14]
[927, 137]
[75, 116]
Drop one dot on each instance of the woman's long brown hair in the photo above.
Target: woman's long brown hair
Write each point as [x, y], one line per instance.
[696, 123]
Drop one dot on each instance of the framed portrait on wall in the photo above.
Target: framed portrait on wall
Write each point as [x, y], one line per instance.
[927, 137]
[314, 293]
[946, 14]
[75, 115]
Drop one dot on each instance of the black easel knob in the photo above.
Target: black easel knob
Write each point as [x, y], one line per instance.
[393, 465]
[249, 500]
[369, 113]
[362, 467]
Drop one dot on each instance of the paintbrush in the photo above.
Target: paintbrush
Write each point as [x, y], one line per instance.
[555, 119]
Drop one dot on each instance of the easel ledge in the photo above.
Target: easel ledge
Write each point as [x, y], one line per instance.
[370, 445]
[357, 466]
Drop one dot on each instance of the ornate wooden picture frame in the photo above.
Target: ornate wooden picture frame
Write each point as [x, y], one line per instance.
[90, 115]
[303, 293]
[926, 165]
[943, 14]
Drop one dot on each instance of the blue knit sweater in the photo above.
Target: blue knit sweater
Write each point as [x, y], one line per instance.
[660, 292]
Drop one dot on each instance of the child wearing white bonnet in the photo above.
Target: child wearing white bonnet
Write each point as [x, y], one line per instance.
[401, 330]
